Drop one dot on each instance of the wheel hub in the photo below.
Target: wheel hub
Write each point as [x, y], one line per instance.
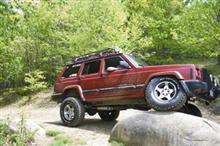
[68, 112]
[165, 91]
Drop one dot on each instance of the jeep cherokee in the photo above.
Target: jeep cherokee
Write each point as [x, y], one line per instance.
[108, 81]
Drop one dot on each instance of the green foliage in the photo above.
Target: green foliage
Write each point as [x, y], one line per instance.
[215, 103]
[4, 130]
[8, 137]
[115, 143]
[100, 26]
[52, 133]
[61, 141]
[35, 81]
[165, 31]
[44, 36]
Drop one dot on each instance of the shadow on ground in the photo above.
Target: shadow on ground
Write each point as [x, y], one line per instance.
[95, 125]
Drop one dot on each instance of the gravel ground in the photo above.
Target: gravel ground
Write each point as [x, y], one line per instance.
[93, 131]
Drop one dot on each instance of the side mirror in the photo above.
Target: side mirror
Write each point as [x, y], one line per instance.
[111, 69]
[124, 64]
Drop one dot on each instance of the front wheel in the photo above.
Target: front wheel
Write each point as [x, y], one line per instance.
[165, 94]
[72, 112]
[109, 115]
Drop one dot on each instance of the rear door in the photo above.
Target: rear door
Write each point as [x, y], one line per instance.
[90, 79]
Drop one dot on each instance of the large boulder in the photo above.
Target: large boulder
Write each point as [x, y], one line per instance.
[38, 131]
[166, 129]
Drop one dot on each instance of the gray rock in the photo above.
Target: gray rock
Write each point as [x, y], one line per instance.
[39, 132]
[166, 129]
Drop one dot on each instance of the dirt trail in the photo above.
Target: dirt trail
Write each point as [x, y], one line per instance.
[93, 131]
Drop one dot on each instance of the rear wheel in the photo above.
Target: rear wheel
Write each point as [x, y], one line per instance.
[109, 115]
[165, 94]
[72, 112]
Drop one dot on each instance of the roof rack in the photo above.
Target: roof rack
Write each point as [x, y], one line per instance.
[97, 54]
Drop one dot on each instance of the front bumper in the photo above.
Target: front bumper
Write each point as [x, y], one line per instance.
[196, 88]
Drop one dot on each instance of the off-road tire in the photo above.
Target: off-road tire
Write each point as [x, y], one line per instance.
[79, 112]
[109, 115]
[191, 109]
[176, 103]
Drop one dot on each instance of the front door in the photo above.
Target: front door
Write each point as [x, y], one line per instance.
[120, 83]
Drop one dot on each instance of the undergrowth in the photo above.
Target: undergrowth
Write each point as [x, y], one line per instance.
[20, 137]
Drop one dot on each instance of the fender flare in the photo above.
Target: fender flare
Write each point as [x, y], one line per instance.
[75, 87]
[167, 73]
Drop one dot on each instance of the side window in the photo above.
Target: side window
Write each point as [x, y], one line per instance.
[71, 71]
[91, 67]
[113, 62]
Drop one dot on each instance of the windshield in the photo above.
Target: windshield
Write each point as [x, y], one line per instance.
[135, 60]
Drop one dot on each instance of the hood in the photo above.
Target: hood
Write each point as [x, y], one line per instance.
[169, 67]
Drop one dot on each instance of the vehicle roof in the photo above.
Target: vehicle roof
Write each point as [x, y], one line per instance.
[95, 55]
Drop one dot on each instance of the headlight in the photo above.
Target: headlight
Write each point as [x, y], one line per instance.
[211, 77]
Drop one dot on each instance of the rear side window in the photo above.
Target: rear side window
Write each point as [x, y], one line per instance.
[71, 71]
[91, 67]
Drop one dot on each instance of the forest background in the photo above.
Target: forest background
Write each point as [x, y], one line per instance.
[37, 37]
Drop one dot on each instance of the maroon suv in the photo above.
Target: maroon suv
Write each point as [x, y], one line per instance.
[108, 81]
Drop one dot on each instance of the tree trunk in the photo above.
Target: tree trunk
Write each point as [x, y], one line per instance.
[219, 59]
